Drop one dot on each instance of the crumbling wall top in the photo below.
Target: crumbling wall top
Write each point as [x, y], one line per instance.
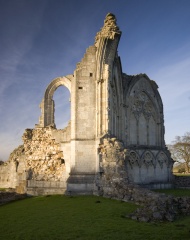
[109, 29]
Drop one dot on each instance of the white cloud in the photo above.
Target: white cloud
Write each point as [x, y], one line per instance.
[174, 82]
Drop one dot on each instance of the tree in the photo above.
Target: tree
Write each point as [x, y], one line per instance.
[180, 150]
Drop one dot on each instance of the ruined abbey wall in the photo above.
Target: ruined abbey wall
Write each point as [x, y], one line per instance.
[7, 175]
[38, 163]
[11, 172]
[116, 130]
[83, 114]
[149, 161]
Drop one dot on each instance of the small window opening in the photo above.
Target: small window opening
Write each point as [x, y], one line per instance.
[62, 161]
[80, 87]
[91, 74]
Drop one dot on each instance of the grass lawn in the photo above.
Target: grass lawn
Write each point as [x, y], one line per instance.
[176, 192]
[182, 174]
[81, 217]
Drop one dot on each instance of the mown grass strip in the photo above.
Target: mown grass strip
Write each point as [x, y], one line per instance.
[175, 192]
[81, 217]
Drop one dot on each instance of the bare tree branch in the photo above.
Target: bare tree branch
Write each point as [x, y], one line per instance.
[180, 150]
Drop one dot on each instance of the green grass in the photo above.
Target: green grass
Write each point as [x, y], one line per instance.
[81, 217]
[175, 192]
[182, 174]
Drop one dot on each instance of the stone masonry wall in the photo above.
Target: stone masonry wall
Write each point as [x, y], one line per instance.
[113, 182]
[112, 165]
[182, 181]
[39, 162]
[9, 196]
[9, 170]
[43, 156]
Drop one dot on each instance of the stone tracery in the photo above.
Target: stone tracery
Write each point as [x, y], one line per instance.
[134, 158]
[148, 158]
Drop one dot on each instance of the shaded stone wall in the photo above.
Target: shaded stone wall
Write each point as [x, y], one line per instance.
[148, 160]
[144, 112]
[10, 196]
[182, 181]
[149, 166]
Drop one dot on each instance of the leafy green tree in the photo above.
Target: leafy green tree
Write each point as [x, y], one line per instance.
[180, 150]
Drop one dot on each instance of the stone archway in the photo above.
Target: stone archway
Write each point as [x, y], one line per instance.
[47, 104]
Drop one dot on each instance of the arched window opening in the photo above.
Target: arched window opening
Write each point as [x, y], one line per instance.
[62, 113]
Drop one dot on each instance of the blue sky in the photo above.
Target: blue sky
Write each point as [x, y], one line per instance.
[44, 39]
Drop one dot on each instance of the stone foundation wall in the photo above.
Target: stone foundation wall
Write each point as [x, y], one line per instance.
[182, 181]
[45, 187]
[10, 196]
[153, 206]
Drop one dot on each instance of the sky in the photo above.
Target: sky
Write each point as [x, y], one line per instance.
[44, 39]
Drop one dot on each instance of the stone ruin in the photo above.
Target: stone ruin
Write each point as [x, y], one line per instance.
[115, 135]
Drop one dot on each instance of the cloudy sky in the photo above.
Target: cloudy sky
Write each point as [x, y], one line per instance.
[44, 39]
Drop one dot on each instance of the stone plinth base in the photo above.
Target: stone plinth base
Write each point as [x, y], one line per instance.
[36, 188]
[157, 185]
[82, 184]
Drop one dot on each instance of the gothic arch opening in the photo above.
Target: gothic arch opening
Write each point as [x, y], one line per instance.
[143, 118]
[62, 107]
[115, 106]
[47, 105]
